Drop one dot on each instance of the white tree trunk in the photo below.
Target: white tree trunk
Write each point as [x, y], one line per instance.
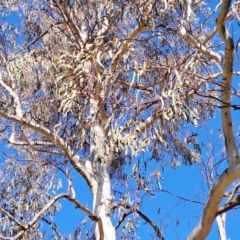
[102, 202]
[221, 221]
[101, 189]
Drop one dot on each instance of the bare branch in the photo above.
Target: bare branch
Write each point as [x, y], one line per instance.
[233, 192]
[232, 201]
[90, 214]
[144, 217]
[182, 198]
[44, 210]
[200, 46]
[214, 199]
[229, 205]
[230, 143]
[12, 218]
[53, 226]
[125, 214]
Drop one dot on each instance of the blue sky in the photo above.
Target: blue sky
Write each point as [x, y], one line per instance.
[179, 217]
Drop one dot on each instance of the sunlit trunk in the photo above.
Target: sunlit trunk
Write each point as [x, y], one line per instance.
[221, 222]
[101, 189]
[102, 201]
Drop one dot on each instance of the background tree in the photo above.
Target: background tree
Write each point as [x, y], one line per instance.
[102, 87]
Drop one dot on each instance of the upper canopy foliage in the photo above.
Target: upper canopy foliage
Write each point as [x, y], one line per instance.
[129, 57]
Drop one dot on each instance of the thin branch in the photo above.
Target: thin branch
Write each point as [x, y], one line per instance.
[37, 143]
[40, 215]
[125, 214]
[200, 46]
[34, 41]
[12, 218]
[210, 36]
[90, 215]
[229, 205]
[232, 201]
[144, 217]
[233, 192]
[48, 151]
[75, 160]
[182, 198]
[38, 146]
[53, 226]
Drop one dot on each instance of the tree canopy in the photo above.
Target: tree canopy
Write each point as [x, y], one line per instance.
[114, 92]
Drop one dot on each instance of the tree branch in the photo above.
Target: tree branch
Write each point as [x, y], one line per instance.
[122, 219]
[90, 215]
[233, 192]
[12, 218]
[229, 205]
[211, 207]
[75, 160]
[53, 226]
[199, 46]
[11, 90]
[40, 215]
[144, 217]
[230, 143]
[36, 218]
[138, 30]
[232, 173]
[182, 198]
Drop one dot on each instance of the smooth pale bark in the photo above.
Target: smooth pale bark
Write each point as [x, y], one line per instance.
[209, 213]
[100, 182]
[101, 191]
[102, 202]
[233, 172]
[221, 222]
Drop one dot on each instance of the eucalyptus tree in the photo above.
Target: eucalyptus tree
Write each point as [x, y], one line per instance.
[92, 86]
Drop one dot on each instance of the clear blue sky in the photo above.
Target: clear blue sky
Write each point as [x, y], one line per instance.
[179, 217]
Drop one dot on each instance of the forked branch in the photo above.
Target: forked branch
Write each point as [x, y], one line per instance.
[143, 216]
[232, 173]
[75, 160]
[40, 215]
